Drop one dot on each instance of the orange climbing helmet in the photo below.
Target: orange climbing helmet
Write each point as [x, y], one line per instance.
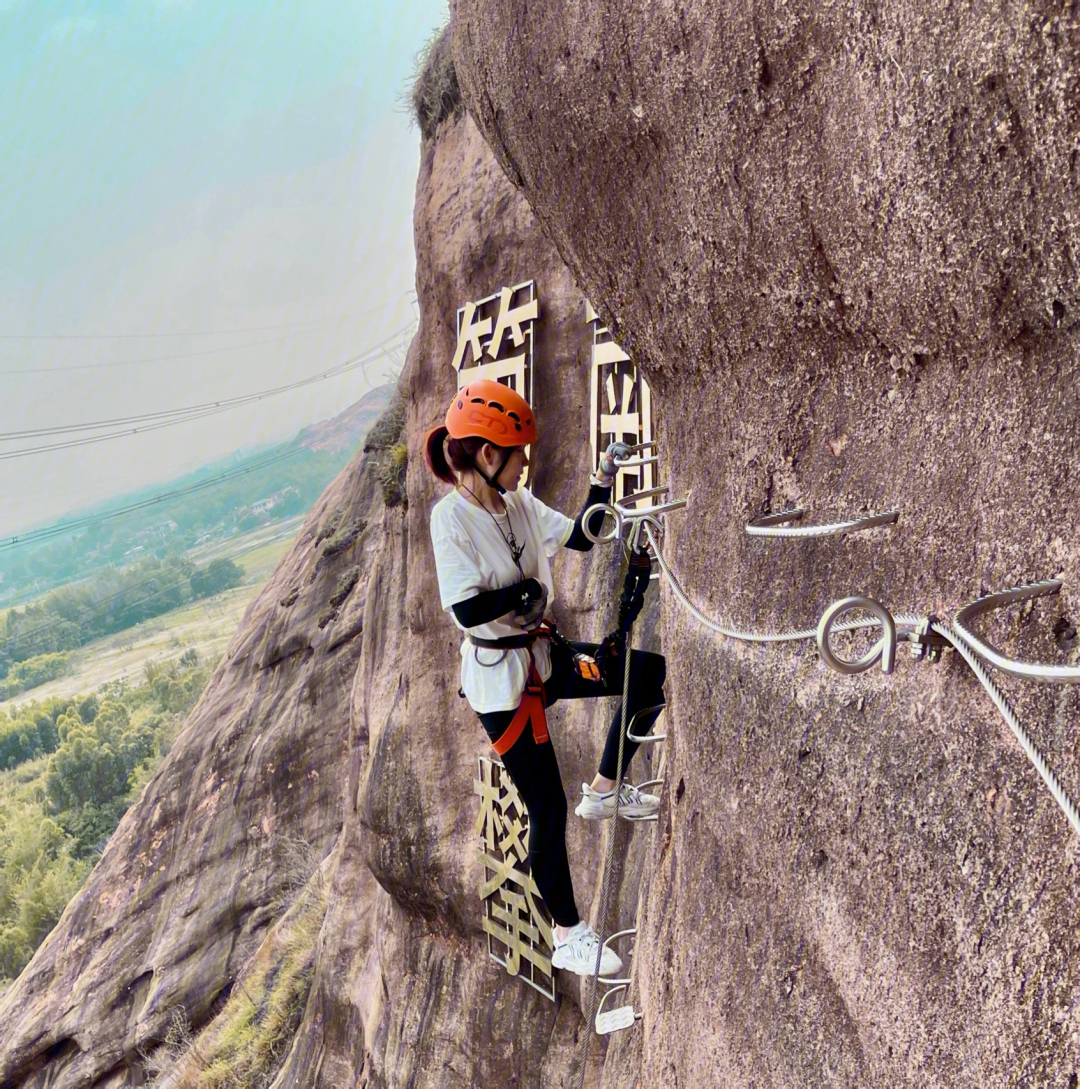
[489, 410]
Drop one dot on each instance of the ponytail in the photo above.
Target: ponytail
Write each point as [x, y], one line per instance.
[435, 454]
[446, 456]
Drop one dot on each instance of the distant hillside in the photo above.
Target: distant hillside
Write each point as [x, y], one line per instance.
[213, 503]
[345, 430]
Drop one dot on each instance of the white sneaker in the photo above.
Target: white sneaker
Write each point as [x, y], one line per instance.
[578, 953]
[632, 803]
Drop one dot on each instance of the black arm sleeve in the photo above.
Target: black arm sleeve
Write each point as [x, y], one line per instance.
[578, 541]
[491, 604]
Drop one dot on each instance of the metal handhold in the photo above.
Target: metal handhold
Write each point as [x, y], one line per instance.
[884, 649]
[645, 739]
[623, 516]
[622, 1017]
[765, 526]
[1033, 671]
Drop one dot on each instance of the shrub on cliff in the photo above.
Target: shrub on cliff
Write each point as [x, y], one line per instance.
[435, 93]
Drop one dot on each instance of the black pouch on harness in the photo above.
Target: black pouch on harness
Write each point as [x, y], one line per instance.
[609, 659]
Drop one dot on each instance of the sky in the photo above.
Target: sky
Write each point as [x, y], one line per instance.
[199, 200]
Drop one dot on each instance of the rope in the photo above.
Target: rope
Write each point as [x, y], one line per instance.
[605, 881]
[958, 641]
[789, 636]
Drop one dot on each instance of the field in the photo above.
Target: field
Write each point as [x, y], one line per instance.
[205, 625]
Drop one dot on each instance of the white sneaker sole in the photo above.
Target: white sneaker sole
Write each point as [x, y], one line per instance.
[597, 813]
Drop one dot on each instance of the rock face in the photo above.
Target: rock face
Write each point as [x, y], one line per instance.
[841, 240]
[333, 730]
[404, 993]
[200, 867]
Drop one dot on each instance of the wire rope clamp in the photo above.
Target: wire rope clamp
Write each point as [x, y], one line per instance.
[884, 650]
[926, 644]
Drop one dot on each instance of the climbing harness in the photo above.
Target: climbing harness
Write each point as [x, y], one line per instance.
[530, 711]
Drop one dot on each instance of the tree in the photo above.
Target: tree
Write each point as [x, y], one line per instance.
[218, 575]
[87, 777]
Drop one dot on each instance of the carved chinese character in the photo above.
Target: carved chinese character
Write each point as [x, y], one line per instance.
[620, 404]
[516, 919]
[488, 330]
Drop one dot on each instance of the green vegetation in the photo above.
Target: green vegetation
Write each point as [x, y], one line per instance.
[244, 1046]
[69, 769]
[33, 639]
[291, 475]
[31, 672]
[393, 477]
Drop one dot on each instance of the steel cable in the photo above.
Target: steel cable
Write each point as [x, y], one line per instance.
[955, 639]
[605, 880]
[1068, 806]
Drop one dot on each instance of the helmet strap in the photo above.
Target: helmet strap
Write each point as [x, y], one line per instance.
[493, 480]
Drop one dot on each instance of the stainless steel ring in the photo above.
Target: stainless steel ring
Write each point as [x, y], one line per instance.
[884, 649]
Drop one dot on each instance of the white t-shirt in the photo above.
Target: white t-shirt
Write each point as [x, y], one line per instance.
[471, 556]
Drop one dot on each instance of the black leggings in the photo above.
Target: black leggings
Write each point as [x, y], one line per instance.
[535, 770]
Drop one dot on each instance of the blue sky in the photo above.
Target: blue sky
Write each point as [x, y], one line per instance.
[190, 168]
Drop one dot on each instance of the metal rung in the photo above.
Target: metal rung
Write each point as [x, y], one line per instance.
[622, 1017]
[614, 1020]
[628, 499]
[646, 739]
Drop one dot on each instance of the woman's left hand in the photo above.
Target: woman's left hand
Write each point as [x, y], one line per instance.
[532, 610]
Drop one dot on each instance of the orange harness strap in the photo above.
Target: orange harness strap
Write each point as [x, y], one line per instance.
[530, 710]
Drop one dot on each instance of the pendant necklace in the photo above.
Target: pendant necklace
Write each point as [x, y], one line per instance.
[511, 541]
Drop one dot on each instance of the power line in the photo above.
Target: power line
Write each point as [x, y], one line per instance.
[171, 417]
[203, 333]
[153, 359]
[50, 532]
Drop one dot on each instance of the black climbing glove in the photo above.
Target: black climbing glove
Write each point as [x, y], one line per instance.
[534, 600]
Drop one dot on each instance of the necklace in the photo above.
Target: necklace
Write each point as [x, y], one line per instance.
[511, 541]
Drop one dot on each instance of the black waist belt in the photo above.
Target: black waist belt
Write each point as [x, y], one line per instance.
[508, 642]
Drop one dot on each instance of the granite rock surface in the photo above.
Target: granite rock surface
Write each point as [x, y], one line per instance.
[841, 240]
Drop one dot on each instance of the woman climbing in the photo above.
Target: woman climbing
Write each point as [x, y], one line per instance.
[493, 545]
